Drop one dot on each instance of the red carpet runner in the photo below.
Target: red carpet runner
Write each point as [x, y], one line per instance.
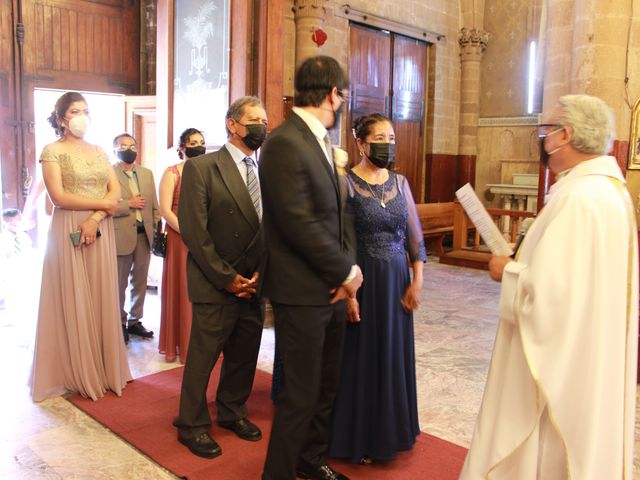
[143, 416]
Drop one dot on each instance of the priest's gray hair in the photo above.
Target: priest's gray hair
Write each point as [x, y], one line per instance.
[591, 121]
[236, 109]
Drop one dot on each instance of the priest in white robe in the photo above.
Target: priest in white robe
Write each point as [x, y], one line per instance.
[559, 402]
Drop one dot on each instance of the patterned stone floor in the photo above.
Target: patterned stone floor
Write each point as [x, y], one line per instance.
[454, 328]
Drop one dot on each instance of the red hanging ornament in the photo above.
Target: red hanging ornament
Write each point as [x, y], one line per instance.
[318, 36]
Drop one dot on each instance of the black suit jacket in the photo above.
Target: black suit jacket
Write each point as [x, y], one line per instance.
[219, 225]
[308, 242]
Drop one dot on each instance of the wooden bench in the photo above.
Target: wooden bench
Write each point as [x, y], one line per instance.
[437, 222]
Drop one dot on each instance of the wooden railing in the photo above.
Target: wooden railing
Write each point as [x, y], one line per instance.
[462, 226]
[468, 249]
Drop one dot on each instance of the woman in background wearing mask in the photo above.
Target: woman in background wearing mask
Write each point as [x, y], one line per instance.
[79, 345]
[375, 413]
[175, 314]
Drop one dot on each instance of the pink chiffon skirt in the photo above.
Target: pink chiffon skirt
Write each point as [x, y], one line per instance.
[79, 345]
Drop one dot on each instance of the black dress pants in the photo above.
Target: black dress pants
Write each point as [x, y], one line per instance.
[310, 342]
[234, 330]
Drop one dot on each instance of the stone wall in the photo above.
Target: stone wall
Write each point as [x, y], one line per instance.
[505, 63]
[506, 146]
[632, 95]
[440, 16]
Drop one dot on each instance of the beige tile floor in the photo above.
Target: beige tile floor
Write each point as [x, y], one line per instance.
[454, 329]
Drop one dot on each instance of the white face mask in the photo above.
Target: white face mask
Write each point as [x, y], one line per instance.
[79, 125]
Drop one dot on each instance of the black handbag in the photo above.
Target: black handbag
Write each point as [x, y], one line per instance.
[159, 246]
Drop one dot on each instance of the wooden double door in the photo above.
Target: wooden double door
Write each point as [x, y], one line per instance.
[82, 45]
[388, 74]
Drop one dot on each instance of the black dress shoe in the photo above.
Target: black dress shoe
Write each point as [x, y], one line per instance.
[320, 472]
[138, 329]
[201, 444]
[244, 429]
[125, 334]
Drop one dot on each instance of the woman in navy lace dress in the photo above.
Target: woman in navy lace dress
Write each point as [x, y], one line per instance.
[375, 413]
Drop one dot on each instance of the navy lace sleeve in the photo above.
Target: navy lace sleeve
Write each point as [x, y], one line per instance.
[414, 240]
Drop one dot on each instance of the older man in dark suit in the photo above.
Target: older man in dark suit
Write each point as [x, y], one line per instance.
[220, 222]
[311, 269]
[134, 223]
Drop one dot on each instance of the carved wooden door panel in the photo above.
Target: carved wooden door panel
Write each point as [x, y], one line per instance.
[66, 44]
[10, 155]
[388, 72]
[369, 75]
[409, 72]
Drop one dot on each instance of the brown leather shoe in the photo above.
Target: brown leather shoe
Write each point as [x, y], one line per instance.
[244, 429]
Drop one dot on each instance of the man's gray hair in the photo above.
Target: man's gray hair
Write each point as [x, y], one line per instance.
[591, 121]
[236, 109]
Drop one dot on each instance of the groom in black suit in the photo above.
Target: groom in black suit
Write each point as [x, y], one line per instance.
[311, 270]
[220, 213]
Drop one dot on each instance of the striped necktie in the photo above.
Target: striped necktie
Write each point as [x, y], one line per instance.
[17, 246]
[252, 185]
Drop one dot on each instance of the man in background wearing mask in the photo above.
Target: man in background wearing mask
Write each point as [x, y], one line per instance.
[560, 396]
[134, 223]
[311, 269]
[220, 218]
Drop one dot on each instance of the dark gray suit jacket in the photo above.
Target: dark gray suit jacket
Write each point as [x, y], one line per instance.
[309, 241]
[219, 225]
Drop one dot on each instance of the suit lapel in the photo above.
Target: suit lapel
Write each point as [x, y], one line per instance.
[312, 141]
[236, 186]
[124, 181]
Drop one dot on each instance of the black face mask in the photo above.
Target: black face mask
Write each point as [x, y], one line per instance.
[256, 134]
[544, 156]
[127, 156]
[382, 154]
[337, 117]
[191, 152]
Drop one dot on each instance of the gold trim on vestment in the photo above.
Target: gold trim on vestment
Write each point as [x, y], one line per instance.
[630, 216]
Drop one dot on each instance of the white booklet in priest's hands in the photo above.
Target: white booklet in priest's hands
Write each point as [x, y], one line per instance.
[483, 221]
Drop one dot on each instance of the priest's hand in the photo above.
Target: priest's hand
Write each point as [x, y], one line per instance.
[496, 267]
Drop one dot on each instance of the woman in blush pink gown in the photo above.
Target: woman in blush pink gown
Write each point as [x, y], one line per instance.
[79, 345]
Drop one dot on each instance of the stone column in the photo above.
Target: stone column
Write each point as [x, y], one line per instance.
[472, 43]
[586, 42]
[599, 51]
[558, 41]
[309, 16]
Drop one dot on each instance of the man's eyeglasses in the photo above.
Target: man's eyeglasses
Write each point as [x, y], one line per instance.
[122, 148]
[345, 96]
[546, 129]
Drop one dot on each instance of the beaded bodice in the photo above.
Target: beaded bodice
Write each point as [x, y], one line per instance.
[84, 175]
[383, 218]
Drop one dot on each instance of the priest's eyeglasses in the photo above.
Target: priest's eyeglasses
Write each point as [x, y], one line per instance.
[546, 129]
